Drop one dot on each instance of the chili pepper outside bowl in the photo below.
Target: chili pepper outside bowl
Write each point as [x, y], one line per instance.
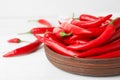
[84, 66]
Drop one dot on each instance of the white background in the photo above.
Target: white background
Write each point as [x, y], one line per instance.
[55, 7]
[14, 16]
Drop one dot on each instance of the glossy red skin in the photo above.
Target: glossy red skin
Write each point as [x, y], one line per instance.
[24, 49]
[74, 21]
[102, 49]
[95, 32]
[69, 41]
[51, 41]
[44, 22]
[113, 54]
[102, 39]
[95, 23]
[14, 40]
[87, 17]
[57, 32]
[117, 23]
[74, 39]
[70, 28]
[115, 36]
[41, 30]
[39, 38]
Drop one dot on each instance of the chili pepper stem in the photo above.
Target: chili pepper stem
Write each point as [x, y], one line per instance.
[63, 34]
[23, 41]
[29, 32]
[111, 22]
[32, 20]
[73, 17]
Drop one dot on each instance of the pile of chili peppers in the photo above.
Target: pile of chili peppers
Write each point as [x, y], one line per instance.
[87, 36]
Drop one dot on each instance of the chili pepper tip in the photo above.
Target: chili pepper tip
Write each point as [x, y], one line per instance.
[8, 54]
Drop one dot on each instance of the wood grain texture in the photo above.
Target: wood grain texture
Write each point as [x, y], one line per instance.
[84, 66]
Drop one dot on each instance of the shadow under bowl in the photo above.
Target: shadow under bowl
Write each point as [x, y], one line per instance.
[84, 66]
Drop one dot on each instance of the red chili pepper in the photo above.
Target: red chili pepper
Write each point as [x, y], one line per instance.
[75, 39]
[24, 49]
[39, 38]
[70, 40]
[76, 22]
[95, 32]
[39, 30]
[15, 40]
[102, 49]
[117, 22]
[106, 22]
[43, 22]
[102, 39]
[113, 54]
[70, 28]
[59, 32]
[87, 17]
[115, 36]
[51, 41]
[94, 23]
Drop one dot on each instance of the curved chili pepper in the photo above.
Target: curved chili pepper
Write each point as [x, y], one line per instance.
[39, 30]
[106, 35]
[113, 54]
[51, 41]
[102, 49]
[87, 17]
[70, 28]
[94, 23]
[24, 49]
[95, 32]
[43, 22]
[77, 22]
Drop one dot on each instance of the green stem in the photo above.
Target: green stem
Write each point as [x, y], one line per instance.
[63, 34]
[29, 32]
[73, 17]
[111, 22]
[23, 41]
[32, 20]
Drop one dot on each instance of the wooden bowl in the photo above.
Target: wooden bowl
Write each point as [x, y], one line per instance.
[84, 66]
